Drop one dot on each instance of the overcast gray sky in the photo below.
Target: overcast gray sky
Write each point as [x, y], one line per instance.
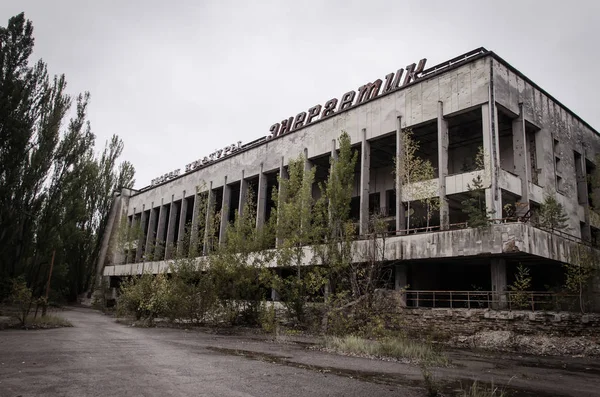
[178, 79]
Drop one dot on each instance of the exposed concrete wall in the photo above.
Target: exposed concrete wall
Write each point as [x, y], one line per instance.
[459, 89]
[498, 240]
[554, 122]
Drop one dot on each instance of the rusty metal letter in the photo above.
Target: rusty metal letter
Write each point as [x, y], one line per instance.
[388, 82]
[312, 113]
[274, 130]
[299, 121]
[368, 91]
[396, 82]
[347, 100]
[329, 108]
[286, 126]
[412, 71]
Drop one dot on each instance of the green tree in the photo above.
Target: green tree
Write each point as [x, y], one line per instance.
[474, 205]
[295, 231]
[416, 176]
[552, 214]
[580, 272]
[54, 192]
[521, 284]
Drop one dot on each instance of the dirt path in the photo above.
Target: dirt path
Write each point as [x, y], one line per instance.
[98, 357]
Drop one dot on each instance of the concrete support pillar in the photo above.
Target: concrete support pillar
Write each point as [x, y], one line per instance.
[401, 281]
[261, 199]
[151, 237]
[243, 194]
[275, 297]
[130, 238]
[498, 273]
[141, 238]
[307, 163]
[193, 251]
[226, 203]
[521, 157]
[365, 171]
[493, 199]
[283, 174]
[442, 125]
[182, 225]
[400, 215]
[171, 226]
[208, 223]
[160, 233]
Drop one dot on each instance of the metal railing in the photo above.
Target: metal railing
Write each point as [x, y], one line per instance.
[505, 300]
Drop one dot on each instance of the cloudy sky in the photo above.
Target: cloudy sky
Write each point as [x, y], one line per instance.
[178, 79]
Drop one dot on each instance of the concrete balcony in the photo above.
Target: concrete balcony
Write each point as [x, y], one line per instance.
[496, 240]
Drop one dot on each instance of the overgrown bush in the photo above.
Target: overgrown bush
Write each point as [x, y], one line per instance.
[22, 297]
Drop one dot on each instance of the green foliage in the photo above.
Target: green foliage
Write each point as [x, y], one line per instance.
[294, 230]
[552, 214]
[474, 205]
[22, 297]
[55, 193]
[398, 347]
[580, 271]
[146, 296]
[412, 169]
[476, 389]
[268, 319]
[519, 298]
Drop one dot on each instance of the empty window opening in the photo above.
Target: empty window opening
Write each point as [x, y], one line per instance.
[465, 136]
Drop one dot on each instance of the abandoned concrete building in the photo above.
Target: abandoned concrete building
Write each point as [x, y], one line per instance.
[534, 146]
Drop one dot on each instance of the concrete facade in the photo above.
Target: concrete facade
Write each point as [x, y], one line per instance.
[533, 146]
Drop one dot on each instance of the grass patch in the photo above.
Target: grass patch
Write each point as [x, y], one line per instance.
[47, 321]
[478, 390]
[398, 348]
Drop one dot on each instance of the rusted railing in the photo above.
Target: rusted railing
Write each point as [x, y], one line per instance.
[509, 300]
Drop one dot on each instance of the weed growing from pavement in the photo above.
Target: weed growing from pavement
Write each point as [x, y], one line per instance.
[398, 348]
[48, 321]
[478, 390]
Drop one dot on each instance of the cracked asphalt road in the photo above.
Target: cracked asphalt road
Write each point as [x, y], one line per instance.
[99, 357]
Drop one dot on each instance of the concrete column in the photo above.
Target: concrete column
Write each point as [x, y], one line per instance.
[275, 297]
[108, 236]
[365, 170]
[493, 199]
[141, 240]
[400, 215]
[193, 251]
[521, 157]
[243, 194]
[334, 153]
[130, 230]
[401, 281]
[171, 226]
[208, 224]
[498, 273]
[151, 237]
[261, 199]
[160, 233]
[442, 125]
[226, 203]
[182, 225]
[307, 163]
[283, 174]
